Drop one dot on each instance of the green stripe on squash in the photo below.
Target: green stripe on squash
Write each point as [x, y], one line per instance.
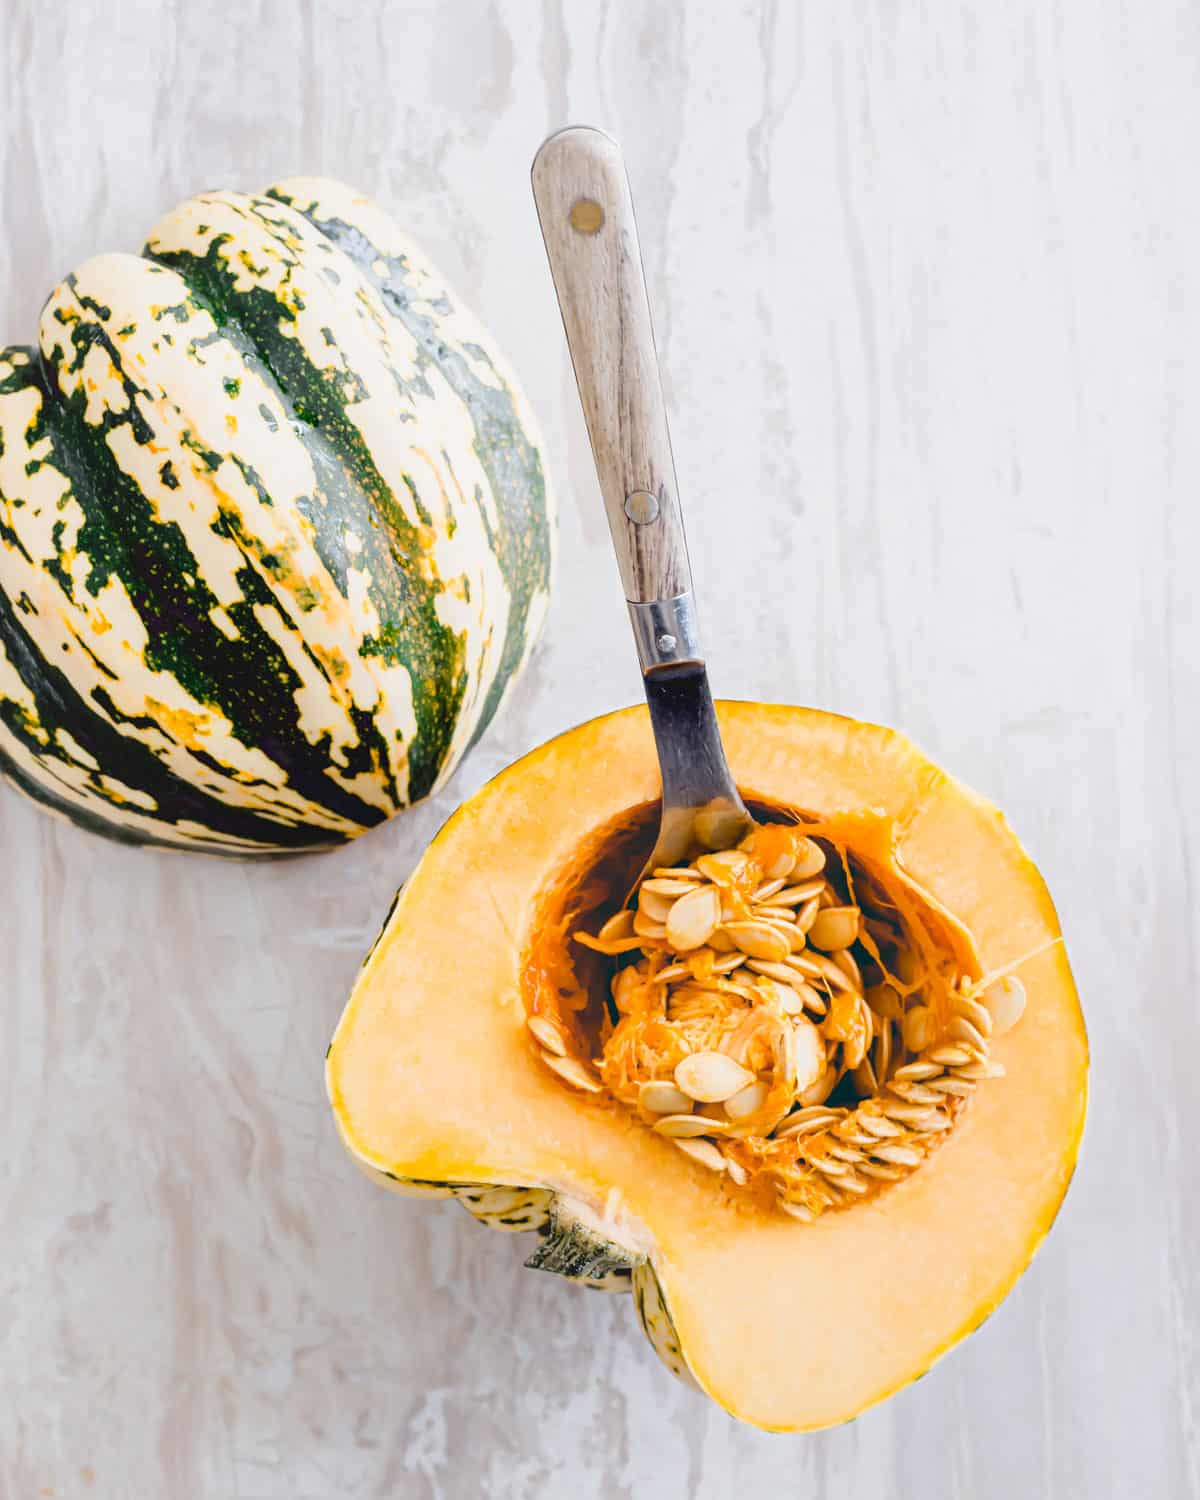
[275, 538]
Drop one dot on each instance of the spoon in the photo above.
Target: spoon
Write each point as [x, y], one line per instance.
[586, 213]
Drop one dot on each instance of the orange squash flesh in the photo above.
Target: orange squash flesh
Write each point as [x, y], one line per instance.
[791, 1326]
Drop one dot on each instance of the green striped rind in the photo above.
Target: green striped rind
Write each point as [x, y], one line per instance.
[657, 1323]
[85, 727]
[451, 350]
[572, 1244]
[512, 1209]
[257, 591]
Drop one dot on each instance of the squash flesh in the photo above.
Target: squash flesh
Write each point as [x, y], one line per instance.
[788, 1325]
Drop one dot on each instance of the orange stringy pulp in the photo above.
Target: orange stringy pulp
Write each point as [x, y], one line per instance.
[797, 1014]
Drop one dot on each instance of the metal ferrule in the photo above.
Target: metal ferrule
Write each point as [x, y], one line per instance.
[665, 630]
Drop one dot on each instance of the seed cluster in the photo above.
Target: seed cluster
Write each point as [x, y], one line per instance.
[765, 986]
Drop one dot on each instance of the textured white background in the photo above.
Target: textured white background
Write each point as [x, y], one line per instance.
[927, 283]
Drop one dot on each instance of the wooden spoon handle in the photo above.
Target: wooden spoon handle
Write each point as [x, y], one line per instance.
[586, 213]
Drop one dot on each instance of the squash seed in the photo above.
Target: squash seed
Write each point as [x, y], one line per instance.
[813, 1000]
[836, 927]
[879, 1126]
[854, 1049]
[724, 867]
[764, 912]
[788, 931]
[920, 1119]
[950, 1056]
[788, 976]
[747, 1101]
[711, 1077]
[835, 1112]
[768, 888]
[917, 1029]
[808, 914]
[882, 1060]
[676, 872]
[793, 1126]
[645, 928]
[907, 1114]
[832, 975]
[913, 1093]
[810, 860]
[547, 1034]
[626, 981]
[736, 1171]
[885, 1002]
[779, 916]
[977, 1070]
[702, 1151]
[663, 1098]
[685, 1127]
[960, 1088]
[898, 1155]
[820, 1090]
[781, 972]
[961, 1030]
[671, 973]
[809, 1054]
[667, 886]
[573, 1072]
[618, 926]
[781, 993]
[805, 964]
[693, 919]
[797, 1211]
[792, 896]
[654, 906]
[881, 1171]
[829, 1166]
[845, 961]
[1005, 1003]
[917, 1072]
[759, 940]
[863, 1077]
[781, 866]
[978, 1015]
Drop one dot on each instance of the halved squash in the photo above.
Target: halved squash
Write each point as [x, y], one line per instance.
[438, 1087]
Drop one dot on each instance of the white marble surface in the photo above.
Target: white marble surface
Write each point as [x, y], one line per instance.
[927, 286]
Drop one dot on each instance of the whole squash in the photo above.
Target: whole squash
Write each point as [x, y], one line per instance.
[275, 532]
[440, 1084]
